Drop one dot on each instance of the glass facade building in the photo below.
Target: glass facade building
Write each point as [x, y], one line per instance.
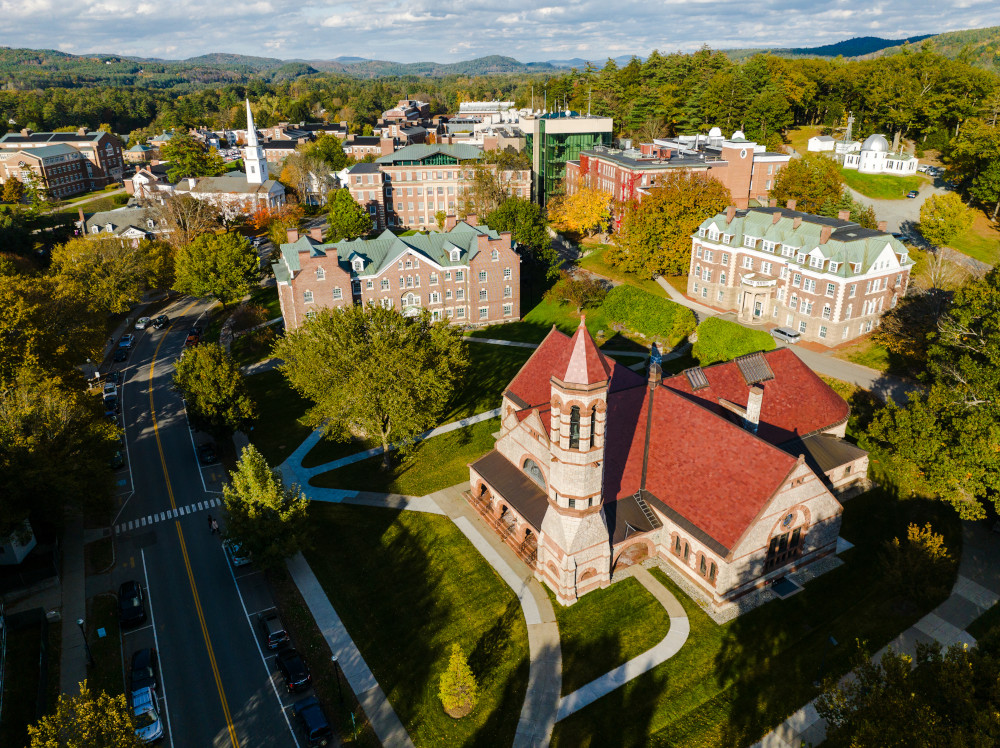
[553, 139]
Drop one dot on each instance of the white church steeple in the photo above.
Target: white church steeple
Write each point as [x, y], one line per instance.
[253, 158]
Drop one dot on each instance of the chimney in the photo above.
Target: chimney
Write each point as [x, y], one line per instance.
[82, 219]
[387, 146]
[450, 221]
[772, 203]
[26, 132]
[791, 204]
[730, 214]
[844, 215]
[316, 233]
[191, 182]
[82, 131]
[824, 234]
[472, 219]
[775, 217]
[882, 226]
[293, 235]
[796, 222]
[754, 400]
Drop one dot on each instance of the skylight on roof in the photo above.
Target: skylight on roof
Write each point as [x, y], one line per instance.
[696, 378]
[754, 368]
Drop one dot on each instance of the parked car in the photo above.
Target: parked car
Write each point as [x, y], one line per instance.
[110, 389]
[273, 630]
[786, 334]
[117, 460]
[195, 330]
[127, 341]
[121, 354]
[912, 193]
[923, 168]
[237, 556]
[294, 670]
[160, 322]
[313, 722]
[131, 611]
[191, 340]
[206, 454]
[144, 666]
[148, 725]
[142, 323]
[110, 406]
[115, 377]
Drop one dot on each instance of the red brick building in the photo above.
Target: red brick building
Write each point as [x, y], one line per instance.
[60, 170]
[727, 474]
[102, 151]
[470, 275]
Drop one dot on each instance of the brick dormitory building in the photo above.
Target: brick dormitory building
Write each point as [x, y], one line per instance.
[469, 275]
[66, 163]
[826, 278]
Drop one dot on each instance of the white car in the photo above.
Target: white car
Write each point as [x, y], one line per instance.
[110, 388]
[148, 725]
[142, 323]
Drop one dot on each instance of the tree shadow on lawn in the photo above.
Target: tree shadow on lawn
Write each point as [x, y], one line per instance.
[771, 657]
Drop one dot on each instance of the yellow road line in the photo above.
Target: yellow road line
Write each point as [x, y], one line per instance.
[184, 553]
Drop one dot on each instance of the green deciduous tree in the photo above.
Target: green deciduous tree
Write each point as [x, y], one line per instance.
[189, 158]
[269, 519]
[345, 218]
[458, 690]
[582, 292]
[655, 234]
[54, 448]
[943, 217]
[372, 371]
[863, 215]
[974, 163]
[214, 389]
[524, 220]
[89, 720]
[330, 150]
[222, 266]
[812, 181]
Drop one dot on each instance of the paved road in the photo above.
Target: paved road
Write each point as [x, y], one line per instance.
[903, 215]
[217, 689]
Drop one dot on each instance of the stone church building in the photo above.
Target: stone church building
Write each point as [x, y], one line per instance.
[729, 473]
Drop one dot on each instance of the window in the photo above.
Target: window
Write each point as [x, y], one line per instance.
[765, 267]
[787, 251]
[697, 271]
[402, 282]
[447, 275]
[725, 258]
[495, 255]
[434, 279]
[459, 276]
[358, 264]
[707, 275]
[709, 255]
[311, 314]
[506, 273]
[385, 284]
[748, 262]
[800, 258]
[386, 303]
[697, 252]
[409, 264]
[797, 279]
[307, 297]
[749, 241]
[484, 312]
[574, 427]
[507, 292]
[802, 326]
[822, 331]
[320, 274]
[722, 278]
[868, 287]
[816, 262]
[851, 290]
[809, 285]
[508, 310]
[807, 306]
[482, 276]
[721, 295]
[834, 266]
[455, 254]
[826, 311]
[435, 298]
[712, 573]
[369, 284]
[460, 293]
[702, 566]
[409, 281]
[704, 292]
[482, 294]
[447, 293]
[337, 293]
[847, 332]
[460, 312]
[677, 546]
[830, 289]
[794, 303]
[534, 472]
[572, 503]
[767, 246]
[687, 551]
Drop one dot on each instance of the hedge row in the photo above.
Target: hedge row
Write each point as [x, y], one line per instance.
[650, 315]
[721, 340]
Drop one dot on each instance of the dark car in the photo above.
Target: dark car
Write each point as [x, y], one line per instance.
[114, 377]
[127, 341]
[313, 722]
[195, 331]
[273, 630]
[110, 406]
[160, 322]
[121, 354]
[117, 460]
[131, 611]
[294, 670]
[144, 669]
[912, 193]
[191, 340]
[206, 454]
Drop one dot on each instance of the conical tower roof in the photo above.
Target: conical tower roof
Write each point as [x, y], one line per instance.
[587, 365]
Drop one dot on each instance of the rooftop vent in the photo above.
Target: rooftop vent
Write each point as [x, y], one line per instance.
[696, 378]
[754, 368]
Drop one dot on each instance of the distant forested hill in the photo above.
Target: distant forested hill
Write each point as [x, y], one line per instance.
[979, 47]
[857, 47]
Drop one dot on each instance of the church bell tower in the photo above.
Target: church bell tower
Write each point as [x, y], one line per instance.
[253, 154]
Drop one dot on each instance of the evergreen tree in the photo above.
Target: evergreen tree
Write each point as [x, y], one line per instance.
[458, 690]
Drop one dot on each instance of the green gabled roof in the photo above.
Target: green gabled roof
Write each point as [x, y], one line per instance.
[848, 243]
[421, 152]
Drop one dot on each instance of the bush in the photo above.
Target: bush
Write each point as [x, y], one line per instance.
[919, 567]
[648, 314]
[720, 340]
[249, 315]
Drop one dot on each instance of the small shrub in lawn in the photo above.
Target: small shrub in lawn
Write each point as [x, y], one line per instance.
[458, 685]
[249, 316]
[721, 340]
[648, 314]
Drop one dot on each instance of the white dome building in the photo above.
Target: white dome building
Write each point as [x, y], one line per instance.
[875, 158]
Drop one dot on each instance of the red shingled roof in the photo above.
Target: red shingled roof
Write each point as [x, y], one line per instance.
[796, 402]
[587, 365]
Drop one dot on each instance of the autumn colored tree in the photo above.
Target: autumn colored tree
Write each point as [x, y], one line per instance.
[943, 217]
[13, 191]
[88, 720]
[187, 218]
[587, 211]
[655, 234]
[458, 690]
[812, 182]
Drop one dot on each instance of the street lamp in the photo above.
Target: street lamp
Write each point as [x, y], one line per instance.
[86, 646]
[340, 693]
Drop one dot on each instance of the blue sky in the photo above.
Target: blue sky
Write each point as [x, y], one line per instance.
[450, 30]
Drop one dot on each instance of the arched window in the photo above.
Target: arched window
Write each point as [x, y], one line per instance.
[593, 425]
[687, 551]
[711, 573]
[574, 427]
[534, 472]
[702, 566]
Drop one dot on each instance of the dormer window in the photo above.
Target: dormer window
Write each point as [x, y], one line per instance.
[749, 241]
[150, 223]
[713, 234]
[800, 258]
[834, 266]
[702, 232]
[94, 229]
[855, 267]
[787, 251]
[107, 227]
[455, 255]
[767, 246]
[358, 264]
[727, 238]
[816, 262]
[903, 256]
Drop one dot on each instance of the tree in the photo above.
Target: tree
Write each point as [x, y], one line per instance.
[863, 215]
[974, 163]
[812, 181]
[458, 690]
[919, 567]
[223, 266]
[54, 448]
[491, 182]
[188, 158]
[187, 218]
[330, 150]
[948, 698]
[13, 191]
[346, 219]
[267, 518]
[88, 720]
[655, 234]
[300, 169]
[524, 220]
[214, 390]
[583, 292]
[943, 217]
[372, 371]
[111, 274]
[15, 235]
[587, 211]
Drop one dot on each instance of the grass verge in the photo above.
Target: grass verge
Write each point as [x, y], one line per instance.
[981, 242]
[596, 262]
[277, 432]
[106, 672]
[99, 556]
[435, 463]
[606, 628]
[881, 186]
[407, 585]
[865, 353]
[731, 684]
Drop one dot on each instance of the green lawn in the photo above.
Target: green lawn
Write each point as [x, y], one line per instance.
[731, 684]
[798, 138]
[20, 687]
[595, 262]
[407, 585]
[436, 463]
[97, 206]
[267, 296]
[882, 186]
[865, 353]
[605, 629]
[981, 242]
[106, 674]
[277, 432]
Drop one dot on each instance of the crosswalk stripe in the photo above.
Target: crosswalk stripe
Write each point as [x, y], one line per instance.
[201, 505]
[143, 520]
